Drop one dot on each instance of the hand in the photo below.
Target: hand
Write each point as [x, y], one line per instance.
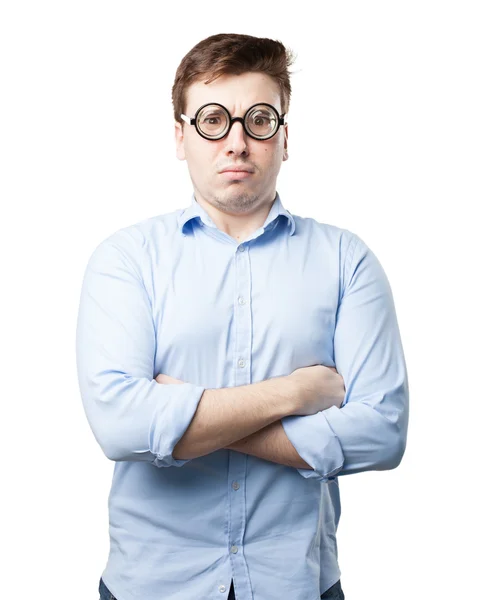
[317, 388]
[160, 378]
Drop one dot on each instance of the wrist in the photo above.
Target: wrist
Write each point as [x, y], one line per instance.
[290, 390]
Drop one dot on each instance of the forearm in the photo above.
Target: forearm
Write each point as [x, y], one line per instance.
[226, 415]
[271, 443]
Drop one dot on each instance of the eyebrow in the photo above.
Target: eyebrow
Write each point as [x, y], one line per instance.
[251, 105]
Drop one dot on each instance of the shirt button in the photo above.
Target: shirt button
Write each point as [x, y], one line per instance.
[234, 549]
[241, 363]
[222, 588]
[236, 485]
[241, 300]
[241, 248]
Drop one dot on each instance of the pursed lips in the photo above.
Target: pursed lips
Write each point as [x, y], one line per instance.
[236, 174]
[236, 170]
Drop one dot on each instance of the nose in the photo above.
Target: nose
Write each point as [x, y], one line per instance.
[237, 139]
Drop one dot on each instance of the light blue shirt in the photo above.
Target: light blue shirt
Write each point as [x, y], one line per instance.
[176, 295]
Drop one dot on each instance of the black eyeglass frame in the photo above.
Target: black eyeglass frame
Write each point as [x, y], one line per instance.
[280, 120]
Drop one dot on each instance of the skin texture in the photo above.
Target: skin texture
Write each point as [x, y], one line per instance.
[237, 207]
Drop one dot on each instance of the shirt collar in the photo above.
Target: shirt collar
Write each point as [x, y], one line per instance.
[196, 211]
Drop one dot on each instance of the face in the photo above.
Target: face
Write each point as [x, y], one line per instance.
[207, 158]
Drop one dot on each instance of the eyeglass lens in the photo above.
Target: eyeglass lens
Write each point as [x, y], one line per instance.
[260, 121]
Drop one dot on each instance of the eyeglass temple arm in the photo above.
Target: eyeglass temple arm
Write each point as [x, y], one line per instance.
[187, 119]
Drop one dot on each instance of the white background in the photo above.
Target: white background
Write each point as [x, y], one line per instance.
[383, 140]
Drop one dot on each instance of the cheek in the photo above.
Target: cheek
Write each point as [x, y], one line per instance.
[201, 158]
[273, 154]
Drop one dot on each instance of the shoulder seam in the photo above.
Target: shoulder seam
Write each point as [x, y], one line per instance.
[349, 256]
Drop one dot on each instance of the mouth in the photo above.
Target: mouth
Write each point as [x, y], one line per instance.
[236, 174]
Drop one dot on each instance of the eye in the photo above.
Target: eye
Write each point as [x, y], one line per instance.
[260, 121]
[212, 119]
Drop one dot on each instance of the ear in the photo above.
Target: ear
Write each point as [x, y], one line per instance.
[180, 142]
[285, 149]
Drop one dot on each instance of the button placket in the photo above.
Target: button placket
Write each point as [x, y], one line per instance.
[241, 366]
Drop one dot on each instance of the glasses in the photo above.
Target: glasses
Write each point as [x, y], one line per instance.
[213, 121]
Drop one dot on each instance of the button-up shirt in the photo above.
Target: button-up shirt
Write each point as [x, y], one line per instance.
[174, 294]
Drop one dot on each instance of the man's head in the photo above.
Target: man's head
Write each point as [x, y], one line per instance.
[236, 71]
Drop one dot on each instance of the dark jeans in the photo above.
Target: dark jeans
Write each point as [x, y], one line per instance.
[335, 592]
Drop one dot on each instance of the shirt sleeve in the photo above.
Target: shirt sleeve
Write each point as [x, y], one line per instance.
[131, 415]
[369, 431]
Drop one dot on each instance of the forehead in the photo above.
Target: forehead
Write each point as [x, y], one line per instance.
[236, 92]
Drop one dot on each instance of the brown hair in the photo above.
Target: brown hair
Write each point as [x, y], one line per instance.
[232, 54]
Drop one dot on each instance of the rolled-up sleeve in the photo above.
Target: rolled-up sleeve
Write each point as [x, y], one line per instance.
[369, 431]
[131, 415]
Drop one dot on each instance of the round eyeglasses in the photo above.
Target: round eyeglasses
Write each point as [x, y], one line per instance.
[213, 121]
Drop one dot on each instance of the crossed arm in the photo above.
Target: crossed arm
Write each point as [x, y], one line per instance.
[131, 417]
[271, 443]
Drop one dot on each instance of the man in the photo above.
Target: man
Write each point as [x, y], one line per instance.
[234, 359]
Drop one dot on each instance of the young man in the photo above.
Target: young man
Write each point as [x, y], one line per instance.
[235, 359]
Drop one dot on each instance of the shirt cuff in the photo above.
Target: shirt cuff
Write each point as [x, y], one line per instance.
[177, 404]
[316, 443]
